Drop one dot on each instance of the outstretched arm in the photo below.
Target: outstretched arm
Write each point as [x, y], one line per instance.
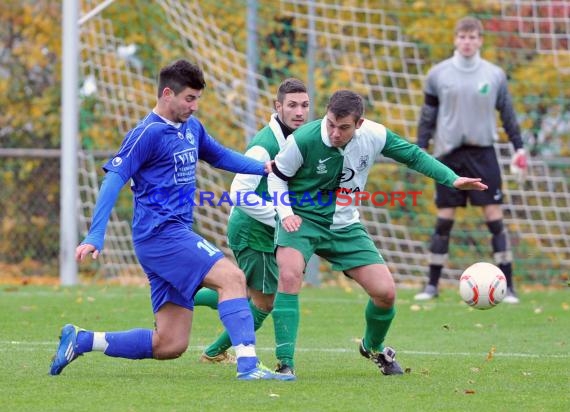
[222, 157]
[108, 195]
[245, 185]
[469, 183]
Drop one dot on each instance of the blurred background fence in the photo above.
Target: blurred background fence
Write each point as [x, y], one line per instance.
[382, 49]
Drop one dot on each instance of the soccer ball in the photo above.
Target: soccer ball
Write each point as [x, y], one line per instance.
[482, 285]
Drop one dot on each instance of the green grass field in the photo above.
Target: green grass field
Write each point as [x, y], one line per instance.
[510, 358]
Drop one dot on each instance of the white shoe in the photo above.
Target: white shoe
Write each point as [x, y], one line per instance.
[511, 297]
[430, 292]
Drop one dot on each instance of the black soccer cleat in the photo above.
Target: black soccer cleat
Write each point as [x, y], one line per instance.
[385, 360]
[285, 369]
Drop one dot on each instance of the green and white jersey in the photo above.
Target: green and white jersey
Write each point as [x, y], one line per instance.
[314, 170]
[252, 223]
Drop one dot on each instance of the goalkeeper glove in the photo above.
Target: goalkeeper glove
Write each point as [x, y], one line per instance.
[519, 164]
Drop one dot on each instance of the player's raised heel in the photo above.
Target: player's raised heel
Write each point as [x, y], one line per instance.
[66, 350]
[385, 360]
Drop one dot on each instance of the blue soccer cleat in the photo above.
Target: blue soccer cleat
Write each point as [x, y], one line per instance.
[66, 350]
[263, 373]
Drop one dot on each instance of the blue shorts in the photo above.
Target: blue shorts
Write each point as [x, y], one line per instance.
[176, 261]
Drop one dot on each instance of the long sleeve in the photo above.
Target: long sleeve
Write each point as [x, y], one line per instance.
[224, 158]
[108, 195]
[428, 119]
[508, 116]
[246, 184]
[411, 155]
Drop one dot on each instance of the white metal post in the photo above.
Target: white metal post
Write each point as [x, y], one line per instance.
[69, 131]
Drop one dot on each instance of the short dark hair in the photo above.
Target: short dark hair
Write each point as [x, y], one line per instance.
[180, 75]
[469, 24]
[288, 86]
[345, 102]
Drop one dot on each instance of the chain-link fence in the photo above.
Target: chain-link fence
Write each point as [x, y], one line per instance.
[29, 211]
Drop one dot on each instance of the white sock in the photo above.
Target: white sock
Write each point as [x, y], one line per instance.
[99, 342]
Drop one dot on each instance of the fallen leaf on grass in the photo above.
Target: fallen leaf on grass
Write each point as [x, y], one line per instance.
[491, 353]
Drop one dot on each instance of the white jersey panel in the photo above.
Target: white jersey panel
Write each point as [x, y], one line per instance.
[359, 155]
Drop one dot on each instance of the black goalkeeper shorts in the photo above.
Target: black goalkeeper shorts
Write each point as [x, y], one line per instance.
[471, 161]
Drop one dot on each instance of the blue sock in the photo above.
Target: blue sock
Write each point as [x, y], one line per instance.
[130, 344]
[236, 316]
[84, 341]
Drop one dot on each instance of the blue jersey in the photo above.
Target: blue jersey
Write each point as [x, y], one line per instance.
[161, 159]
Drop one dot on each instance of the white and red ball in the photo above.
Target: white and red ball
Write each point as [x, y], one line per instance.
[482, 285]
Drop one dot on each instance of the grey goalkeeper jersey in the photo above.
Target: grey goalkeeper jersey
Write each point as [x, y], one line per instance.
[462, 97]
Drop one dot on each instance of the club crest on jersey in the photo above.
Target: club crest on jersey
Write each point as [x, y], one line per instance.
[362, 163]
[190, 137]
[116, 161]
[484, 88]
[322, 169]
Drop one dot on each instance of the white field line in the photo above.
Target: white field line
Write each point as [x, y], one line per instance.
[8, 345]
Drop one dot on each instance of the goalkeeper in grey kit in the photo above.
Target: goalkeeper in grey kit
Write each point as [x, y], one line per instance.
[462, 95]
[333, 155]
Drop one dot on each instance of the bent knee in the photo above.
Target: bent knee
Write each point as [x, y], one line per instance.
[172, 350]
[384, 298]
[236, 276]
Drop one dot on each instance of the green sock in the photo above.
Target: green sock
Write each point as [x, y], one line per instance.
[378, 322]
[286, 322]
[206, 297]
[223, 343]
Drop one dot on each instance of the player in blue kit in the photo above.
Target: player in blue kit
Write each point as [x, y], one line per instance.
[160, 156]
[251, 227]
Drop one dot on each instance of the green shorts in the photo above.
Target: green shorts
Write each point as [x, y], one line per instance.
[344, 248]
[260, 269]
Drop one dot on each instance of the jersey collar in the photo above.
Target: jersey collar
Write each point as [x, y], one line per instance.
[466, 64]
[277, 130]
[165, 120]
